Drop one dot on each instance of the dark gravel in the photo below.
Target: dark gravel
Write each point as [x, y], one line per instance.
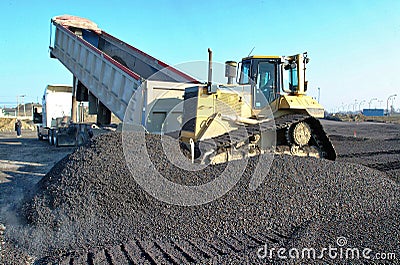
[375, 145]
[89, 201]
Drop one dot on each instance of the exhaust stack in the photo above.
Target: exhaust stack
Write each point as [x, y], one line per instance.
[209, 69]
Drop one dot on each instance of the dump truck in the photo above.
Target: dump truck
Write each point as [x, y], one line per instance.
[109, 72]
[54, 121]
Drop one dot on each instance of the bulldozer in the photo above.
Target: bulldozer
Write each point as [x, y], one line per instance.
[267, 110]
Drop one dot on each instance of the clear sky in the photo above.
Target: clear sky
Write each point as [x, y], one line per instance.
[354, 46]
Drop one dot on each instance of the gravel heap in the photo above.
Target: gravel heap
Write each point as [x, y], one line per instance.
[8, 125]
[90, 200]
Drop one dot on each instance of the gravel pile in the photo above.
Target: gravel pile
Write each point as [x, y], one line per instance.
[11, 254]
[90, 200]
[8, 125]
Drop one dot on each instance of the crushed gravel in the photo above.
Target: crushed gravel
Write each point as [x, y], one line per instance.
[89, 200]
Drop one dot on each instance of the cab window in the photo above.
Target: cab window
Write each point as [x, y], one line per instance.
[290, 78]
[266, 74]
[245, 73]
[264, 91]
[294, 80]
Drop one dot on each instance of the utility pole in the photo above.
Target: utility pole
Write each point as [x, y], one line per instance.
[355, 105]
[319, 94]
[23, 103]
[369, 104]
[359, 105]
[387, 103]
[17, 114]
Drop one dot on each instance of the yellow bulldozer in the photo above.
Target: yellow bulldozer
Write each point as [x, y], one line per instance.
[267, 110]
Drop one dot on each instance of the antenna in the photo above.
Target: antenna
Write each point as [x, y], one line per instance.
[251, 51]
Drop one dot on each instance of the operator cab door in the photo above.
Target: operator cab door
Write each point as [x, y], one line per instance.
[263, 76]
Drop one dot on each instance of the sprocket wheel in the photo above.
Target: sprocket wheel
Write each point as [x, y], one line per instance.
[299, 133]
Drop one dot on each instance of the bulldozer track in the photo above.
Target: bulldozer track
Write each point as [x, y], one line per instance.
[170, 251]
[319, 137]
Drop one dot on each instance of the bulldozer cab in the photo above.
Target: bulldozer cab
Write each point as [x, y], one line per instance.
[271, 76]
[262, 73]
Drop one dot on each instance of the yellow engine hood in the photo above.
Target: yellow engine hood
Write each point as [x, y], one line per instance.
[299, 103]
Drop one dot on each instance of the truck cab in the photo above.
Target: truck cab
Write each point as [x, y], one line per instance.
[56, 107]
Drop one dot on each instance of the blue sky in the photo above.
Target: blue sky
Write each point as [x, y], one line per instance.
[353, 45]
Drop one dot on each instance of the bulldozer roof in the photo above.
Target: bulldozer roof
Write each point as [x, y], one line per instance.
[262, 57]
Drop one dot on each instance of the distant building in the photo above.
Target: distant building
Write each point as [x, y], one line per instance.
[23, 111]
[8, 112]
[26, 109]
[373, 112]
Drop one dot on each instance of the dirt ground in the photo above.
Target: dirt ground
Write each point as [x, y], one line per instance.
[24, 161]
[375, 145]
[373, 130]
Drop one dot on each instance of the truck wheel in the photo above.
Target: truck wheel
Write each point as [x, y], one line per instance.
[55, 142]
[50, 137]
[39, 135]
[80, 139]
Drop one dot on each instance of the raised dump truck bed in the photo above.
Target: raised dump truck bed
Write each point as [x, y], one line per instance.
[107, 67]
